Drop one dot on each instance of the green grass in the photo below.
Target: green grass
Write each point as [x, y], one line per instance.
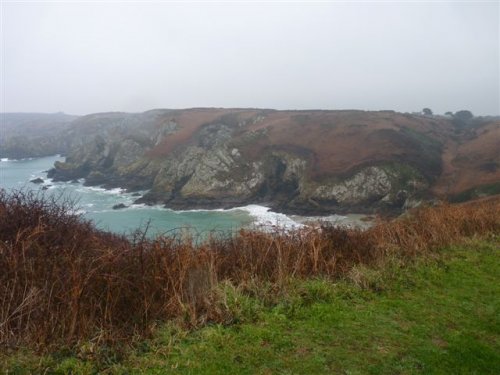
[435, 315]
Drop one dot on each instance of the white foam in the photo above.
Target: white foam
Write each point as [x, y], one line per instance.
[202, 210]
[22, 159]
[269, 220]
[115, 191]
[102, 211]
[94, 188]
[77, 212]
[143, 206]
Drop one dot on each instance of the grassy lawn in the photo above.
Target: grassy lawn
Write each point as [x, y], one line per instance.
[438, 315]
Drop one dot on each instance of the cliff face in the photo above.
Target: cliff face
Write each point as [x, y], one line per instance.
[296, 161]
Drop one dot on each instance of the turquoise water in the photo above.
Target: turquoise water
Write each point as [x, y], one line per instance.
[97, 204]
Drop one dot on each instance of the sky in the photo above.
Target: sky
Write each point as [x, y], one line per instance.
[86, 57]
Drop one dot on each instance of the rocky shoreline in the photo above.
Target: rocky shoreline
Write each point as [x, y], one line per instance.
[303, 213]
[355, 217]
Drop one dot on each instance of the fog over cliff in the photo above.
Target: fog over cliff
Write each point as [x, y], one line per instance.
[90, 57]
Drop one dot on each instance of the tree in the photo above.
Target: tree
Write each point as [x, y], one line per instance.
[427, 111]
[464, 115]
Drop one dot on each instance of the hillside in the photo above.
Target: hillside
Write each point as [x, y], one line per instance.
[25, 135]
[471, 162]
[295, 161]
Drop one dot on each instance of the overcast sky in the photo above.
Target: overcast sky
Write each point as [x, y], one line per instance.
[121, 56]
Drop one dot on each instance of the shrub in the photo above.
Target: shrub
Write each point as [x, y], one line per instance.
[64, 281]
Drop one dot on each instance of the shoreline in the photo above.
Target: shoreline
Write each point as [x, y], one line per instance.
[262, 214]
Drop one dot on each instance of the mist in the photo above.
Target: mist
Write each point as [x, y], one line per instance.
[82, 58]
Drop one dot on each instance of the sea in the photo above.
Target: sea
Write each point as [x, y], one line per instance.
[96, 204]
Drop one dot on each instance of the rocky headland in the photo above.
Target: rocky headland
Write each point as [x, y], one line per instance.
[302, 162]
[29, 135]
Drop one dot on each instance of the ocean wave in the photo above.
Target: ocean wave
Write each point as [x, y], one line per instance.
[201, 210]
[262, 215]
[115, 191]
[77, 212]
[267, 219]
[142, 206]
[102, 211]
[27, 159]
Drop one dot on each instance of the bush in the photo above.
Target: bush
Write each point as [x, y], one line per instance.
[62, 281]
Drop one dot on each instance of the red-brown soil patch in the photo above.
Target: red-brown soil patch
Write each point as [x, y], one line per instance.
[471, 163]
